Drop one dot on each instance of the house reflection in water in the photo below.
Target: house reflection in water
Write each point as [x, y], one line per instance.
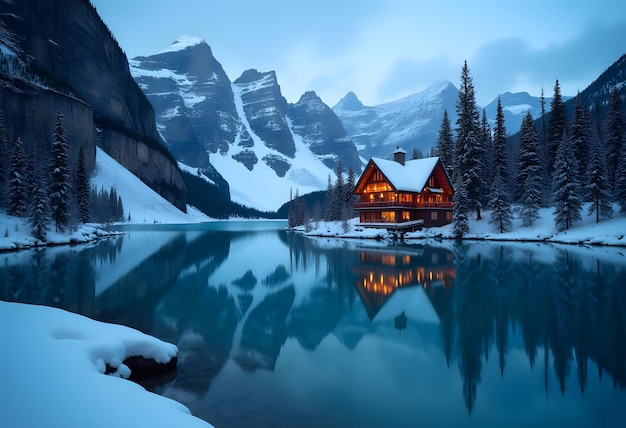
[400, 278]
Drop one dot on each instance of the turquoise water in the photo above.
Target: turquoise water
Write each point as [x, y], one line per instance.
[278, 330]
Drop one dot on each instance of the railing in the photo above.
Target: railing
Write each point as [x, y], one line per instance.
[392, 204]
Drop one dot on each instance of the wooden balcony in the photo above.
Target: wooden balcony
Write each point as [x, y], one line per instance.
[399, 204]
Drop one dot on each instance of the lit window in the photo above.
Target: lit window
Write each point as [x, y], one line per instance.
[434, 215]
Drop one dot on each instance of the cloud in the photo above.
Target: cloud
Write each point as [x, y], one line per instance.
[408, 76]
[511, 65]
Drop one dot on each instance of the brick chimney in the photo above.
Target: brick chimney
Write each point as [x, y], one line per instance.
[399, 155]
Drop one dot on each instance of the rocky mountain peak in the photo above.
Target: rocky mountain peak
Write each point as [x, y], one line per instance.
[350, 102]
[184, 42]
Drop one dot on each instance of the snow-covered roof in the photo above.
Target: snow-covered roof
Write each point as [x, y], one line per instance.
[410, 177]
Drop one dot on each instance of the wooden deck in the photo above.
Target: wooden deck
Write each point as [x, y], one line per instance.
[405, 226]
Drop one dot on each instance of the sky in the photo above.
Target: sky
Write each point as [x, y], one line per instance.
[383, 50]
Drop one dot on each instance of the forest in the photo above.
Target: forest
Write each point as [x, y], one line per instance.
[39, 183]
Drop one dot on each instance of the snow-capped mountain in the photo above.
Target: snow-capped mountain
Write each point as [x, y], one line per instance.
[410, 122]
[262, 146]
[515, 106]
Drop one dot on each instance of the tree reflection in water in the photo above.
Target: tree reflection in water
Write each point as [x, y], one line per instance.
[565, 303]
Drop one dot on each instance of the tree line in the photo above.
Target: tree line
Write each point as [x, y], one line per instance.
[337, 203]
[43, 187]
[562, 164]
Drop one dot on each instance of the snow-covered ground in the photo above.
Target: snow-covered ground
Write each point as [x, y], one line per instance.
[52, 368]
[608, 232]
[143, 204]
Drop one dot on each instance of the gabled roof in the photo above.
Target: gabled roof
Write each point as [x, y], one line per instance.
[410, 177]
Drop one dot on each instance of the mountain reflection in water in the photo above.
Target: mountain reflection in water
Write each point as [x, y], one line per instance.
[276, 329]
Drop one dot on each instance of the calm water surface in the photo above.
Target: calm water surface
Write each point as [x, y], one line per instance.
[278, 330]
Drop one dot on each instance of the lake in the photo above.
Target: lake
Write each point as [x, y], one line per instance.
[276, 329]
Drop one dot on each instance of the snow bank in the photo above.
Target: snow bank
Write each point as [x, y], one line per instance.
[142, 203]
[15, 233]
[52, 364]
[610, 231]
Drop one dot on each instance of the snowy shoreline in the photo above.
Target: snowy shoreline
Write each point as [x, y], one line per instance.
[16, 240]
[608, 232]
[53, 368]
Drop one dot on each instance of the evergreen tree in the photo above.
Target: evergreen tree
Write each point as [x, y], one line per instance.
[486, 142]
[39, 215]
[500, 165]
[349, 195]
[4, 158]
[500, 205]
[460, 220]
[615, 134]
[530, 201]
[620, 179]
[445, 144]
[18, 191]
[417, 154]
[581, 135]
[469, 153]
[544, 155]
[529, 172]
[339, 194]
[60, 178]
[296, 215]
[328, 204]
[557, 125]
[82, 188]
[566, 187]
[598, 187]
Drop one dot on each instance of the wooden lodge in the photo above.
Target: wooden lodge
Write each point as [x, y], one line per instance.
[402, 195]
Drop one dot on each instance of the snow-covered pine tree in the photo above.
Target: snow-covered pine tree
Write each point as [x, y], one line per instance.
[530, 201]
[500, 164]
[460, 220]
[339, 194]
[4, 158]
[349, 195]
[328, 203]
[60, 178]
[500, 205]
[82, 188]
[581, 135]
[566, 186]
[486, 143]
[614, 134]
[469, 153]
[39, 218]
[529, 191]
[620, 179]
[544, 155]
[557, 125]
[597, 185]
[445, 143]
[18, 191]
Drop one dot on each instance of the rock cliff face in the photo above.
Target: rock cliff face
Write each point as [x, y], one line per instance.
[324, 132]
[66, 44]
[264, 147]
[193, 99]
[30, 113]
[266, 110]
